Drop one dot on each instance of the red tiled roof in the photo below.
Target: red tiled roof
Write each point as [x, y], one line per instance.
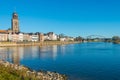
[3, 31]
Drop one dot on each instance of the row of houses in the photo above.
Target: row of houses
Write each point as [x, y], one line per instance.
[20, 37]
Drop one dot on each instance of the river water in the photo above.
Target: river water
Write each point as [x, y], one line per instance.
[84, 61]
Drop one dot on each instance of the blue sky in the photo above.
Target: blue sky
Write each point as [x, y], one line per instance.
[71, 17]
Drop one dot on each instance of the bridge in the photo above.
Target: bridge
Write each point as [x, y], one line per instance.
[95, 38]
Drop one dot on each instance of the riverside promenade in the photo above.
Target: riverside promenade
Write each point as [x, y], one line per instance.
[45, 43]
[9, 71]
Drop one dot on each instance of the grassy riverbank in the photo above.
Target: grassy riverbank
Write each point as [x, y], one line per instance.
[7, 44]
[9, 71]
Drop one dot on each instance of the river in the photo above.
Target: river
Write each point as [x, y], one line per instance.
[84, 61]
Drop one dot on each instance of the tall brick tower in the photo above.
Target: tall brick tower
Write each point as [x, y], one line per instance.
[15, 23]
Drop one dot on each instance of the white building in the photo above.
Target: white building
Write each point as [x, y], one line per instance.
[34, 37]
[20, 37]
[62, 39]
[3, 35]
[52, 36]
[46, 37]
[10, 36]
[14, 37]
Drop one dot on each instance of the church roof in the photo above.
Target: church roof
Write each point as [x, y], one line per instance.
[3, 31]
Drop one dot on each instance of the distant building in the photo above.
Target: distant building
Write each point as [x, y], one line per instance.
[34, 37]
[20, 35]
[41, 37]
[69, 39]
[46, 37]
[26, 37]
[3, 35]
[62, 39]
[14, 37]
[52, 36]
[9, 36]
[15, 23]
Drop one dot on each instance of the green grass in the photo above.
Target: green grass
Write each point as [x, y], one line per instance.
[7, 73]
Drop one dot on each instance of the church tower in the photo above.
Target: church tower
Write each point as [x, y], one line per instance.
[15, 23]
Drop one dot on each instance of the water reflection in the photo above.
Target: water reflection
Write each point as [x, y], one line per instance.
[62, 49]
[3, 54]
[48, 51]
[16, 54]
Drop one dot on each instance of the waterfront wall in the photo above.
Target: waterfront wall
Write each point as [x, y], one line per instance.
[9, 44]
[24, 72]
